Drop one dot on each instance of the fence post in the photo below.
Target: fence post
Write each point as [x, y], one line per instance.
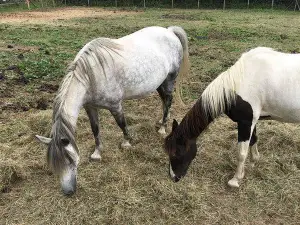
[198, 4]
[28, 4]
[144, 3]
[172, 3]
[272, 4]
[224, 5]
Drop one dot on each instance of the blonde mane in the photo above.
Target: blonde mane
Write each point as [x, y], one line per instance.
[221, 93]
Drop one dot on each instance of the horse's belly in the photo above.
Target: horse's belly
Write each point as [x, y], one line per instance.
[281, 97]
[141, 90]
[284, 111]
[139, 82]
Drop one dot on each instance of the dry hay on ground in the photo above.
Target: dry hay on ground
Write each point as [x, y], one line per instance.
[132, 186]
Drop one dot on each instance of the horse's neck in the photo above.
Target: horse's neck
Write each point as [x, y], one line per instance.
[72, 101]
[195, 122]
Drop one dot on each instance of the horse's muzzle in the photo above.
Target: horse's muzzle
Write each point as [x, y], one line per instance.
[68, 184]
[172, 175]
[176, 179]
[69, 189]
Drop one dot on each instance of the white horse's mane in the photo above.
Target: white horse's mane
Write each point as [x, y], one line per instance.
[93, 57]
[221, 92]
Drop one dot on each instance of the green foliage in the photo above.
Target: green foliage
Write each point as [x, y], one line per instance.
[39, 68]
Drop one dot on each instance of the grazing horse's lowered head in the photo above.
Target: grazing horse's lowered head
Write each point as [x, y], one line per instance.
[181, 153]
[62, 153]
[103, 74]
[180, 144]
[63, 158]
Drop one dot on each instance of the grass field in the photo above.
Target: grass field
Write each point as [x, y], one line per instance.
[132, 186]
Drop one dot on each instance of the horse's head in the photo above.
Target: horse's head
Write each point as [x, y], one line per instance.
[181, 152]
[63, 158]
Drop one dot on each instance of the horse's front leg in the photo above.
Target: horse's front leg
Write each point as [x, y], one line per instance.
[118, 114]
[245, 129]
[94, 121]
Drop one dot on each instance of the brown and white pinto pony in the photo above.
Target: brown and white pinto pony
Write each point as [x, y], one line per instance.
[263, 83]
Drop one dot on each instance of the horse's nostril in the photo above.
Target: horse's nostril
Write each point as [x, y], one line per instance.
[68, 192]
[176, 179]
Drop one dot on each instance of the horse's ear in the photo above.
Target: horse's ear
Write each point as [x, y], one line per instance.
[42, 139]
[174, 125]
[65, 141]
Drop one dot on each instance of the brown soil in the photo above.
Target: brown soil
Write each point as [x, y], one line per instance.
[54, 15]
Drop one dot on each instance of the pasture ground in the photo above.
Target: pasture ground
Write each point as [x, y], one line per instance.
[132, 186]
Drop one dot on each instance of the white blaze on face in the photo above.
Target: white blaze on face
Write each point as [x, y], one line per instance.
[72, 153]
[68, 178]
[68, 175]
[172, 174]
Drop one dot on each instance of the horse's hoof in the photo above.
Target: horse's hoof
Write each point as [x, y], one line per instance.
[233, 183]
[95, 157]
[162, 130]
[126, 145]
[255, 158]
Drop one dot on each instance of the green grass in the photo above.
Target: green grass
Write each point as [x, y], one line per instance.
[132, 187]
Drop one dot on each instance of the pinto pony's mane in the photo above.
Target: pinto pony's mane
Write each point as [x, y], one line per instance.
[215, 100]
[92, 57]
[221, 92]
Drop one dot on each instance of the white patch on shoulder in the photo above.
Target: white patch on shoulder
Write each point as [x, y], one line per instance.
[73, 154]
[172, 174]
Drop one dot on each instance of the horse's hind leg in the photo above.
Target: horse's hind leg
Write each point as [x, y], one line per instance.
[118, 114]
[253, 148]
[165, 92]
[94, 121]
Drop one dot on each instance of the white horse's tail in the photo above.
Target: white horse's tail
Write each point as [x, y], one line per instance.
[185, 64]
[221, 92]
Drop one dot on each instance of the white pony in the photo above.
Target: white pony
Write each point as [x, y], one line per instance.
[262, 84]
[103, 74]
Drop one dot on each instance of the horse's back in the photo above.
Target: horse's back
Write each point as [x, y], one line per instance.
[150, 55]
[132, 66]
[271, 67]
[272, 83]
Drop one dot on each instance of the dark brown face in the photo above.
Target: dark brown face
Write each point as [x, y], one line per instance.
[181, 153]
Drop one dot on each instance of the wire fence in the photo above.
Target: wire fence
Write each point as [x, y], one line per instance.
[224, 4]
[204, 4]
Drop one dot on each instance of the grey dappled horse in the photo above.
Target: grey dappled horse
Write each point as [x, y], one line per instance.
[103, 74]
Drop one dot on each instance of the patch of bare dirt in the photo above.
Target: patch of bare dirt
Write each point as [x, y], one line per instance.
[50, 16]
[10, 48]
